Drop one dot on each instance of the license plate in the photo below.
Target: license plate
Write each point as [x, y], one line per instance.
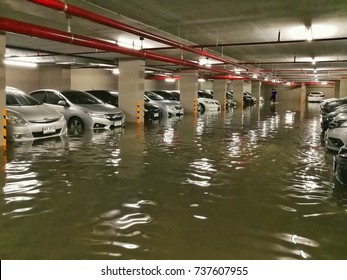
[156, 115]
[48, 130]
[118, 123]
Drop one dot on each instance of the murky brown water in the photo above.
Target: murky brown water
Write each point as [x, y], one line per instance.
[247, 184]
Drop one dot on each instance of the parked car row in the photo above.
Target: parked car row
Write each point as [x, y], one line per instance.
[334, 131]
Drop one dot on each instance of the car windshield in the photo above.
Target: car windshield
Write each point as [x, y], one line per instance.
[80, 97]
[154, 96]
[16, 98]
[316, 93]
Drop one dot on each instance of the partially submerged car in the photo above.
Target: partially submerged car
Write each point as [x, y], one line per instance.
[340, 166]
[81, 109]
[315, 96]
[169, 108]
[327, 118]
[207, 103]
[151, 111]
[29, 119]
[336, 135]
[248, 98]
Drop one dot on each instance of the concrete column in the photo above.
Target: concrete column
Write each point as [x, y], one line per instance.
[131, 89]
[219, 90]
[256, 89]
[343, 88]
[55, 77]
[238, 91]
[303, 97]
[337, 89]
[189, 92]
[2, 82]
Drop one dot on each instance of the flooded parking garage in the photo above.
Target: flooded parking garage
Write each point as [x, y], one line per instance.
[251, 183]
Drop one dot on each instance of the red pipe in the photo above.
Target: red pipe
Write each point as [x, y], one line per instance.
[73, 10]
[24, 28]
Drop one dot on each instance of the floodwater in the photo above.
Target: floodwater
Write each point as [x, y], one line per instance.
[251, 183]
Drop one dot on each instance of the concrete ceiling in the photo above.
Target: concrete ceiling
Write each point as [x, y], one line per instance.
[266, 37]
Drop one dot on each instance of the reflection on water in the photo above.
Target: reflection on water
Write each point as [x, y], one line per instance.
[248, 183]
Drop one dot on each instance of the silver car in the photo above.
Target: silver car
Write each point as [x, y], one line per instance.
[29, 119]
[169, 108]
[81, 109]
[336, 135]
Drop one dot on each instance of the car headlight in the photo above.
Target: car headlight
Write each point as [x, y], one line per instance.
[61, 117]
[337, 124]
[15, 120]
[170, 107]
[96, 115]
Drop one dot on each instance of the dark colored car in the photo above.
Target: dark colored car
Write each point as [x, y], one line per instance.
[230, 101]
[340, 166]
[152, 111]
[166, 94]
[248, 98]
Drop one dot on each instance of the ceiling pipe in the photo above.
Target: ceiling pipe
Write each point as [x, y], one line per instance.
[256, 43]
[79, 12]
[33, 30]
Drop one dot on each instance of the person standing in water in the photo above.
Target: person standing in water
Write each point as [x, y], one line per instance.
[273, 95]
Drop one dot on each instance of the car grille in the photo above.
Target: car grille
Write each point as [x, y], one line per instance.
[45, 120]
[154, 110]
[40, 134]
[114, 117]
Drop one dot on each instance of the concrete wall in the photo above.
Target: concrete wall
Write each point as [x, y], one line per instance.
[160, 84]
[86, 79]
[286, 93]
[22, 78]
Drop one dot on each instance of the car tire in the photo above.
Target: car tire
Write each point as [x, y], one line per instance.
[201, 108]
[75, 126]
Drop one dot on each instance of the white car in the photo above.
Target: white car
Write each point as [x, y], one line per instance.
[208, 105]
[336, 135]
[29, 119]
[315, 96]
[206, 102]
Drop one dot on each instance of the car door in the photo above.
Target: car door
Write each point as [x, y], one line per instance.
[52, 99]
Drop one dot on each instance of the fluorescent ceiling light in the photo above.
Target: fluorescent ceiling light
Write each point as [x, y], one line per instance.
[20, 63]
[169, 80]
[309, 34]
[115, 71]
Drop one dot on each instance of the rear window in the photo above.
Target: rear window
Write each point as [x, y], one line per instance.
[316, 93]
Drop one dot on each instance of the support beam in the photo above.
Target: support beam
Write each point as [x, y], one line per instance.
[2, 85]
[189, 92]
[132, 89]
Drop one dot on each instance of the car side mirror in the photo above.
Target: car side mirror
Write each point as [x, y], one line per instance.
[63, 103]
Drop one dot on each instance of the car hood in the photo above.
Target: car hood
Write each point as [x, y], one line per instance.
[99, 108]
[168, 102]
[207, 99]
[35, 113]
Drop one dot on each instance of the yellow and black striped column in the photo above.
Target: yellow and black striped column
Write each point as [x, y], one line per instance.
[4, 127]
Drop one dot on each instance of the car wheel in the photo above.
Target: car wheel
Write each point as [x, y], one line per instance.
[75, 126]
[201, 108]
